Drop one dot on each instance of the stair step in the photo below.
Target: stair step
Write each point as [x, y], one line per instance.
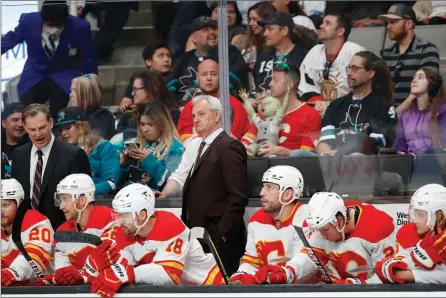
[140, 18]
[131, 55]
[132, 35]
[111, 75]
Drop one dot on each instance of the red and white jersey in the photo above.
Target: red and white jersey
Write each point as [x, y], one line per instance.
[75, 254]
[37, 238]
[406, 239]
[372, 239]
[167, 257]
[271, 241]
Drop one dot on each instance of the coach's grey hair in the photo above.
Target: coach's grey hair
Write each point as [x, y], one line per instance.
[213, 102]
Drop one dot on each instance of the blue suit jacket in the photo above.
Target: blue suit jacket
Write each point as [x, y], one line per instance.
[74, 55]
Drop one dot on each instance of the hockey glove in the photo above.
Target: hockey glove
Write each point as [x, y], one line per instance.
[440, 245]
[424, 255]
[49, 280]
[241, 278]
[274, 274]
[9, 276]
[385, 269]
[111, 279]
[69, 276]
[101, 257]
[347, 281]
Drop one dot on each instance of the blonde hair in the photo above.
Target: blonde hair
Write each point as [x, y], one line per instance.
[157, 113]
[440, 220]
[88, 91]
[87, 140]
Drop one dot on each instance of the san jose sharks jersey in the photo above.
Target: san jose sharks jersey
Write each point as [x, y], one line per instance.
[348, 120]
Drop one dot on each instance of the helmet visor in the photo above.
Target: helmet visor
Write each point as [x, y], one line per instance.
[62, 198]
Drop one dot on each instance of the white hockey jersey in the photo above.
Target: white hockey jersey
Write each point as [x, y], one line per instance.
[372, 239]
[407, 237]
[167, 257]
[271, 241]
[37, 238]
[312, 67]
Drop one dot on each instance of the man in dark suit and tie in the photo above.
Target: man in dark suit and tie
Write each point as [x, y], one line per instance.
[60, 48]
[41, 164]
[215, 192]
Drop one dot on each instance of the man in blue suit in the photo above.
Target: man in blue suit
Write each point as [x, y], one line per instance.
[60, 48]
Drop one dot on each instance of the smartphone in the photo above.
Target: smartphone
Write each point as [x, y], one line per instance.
[131, 144]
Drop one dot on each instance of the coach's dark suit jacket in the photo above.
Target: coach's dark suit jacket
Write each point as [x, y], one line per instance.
[64, 159]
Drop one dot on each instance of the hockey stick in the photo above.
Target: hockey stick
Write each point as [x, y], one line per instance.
[79, 237]
[24, 206]
[202, 233]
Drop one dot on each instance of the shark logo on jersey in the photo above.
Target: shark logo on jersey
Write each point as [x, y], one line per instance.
[350, 127]
[189, 90]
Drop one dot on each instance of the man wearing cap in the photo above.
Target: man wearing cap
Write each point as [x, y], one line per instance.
[278, 35]
[407, 54]
[60, 48]
[13, 135]
[204, 35]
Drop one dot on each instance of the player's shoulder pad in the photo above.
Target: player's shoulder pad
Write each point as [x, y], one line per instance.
[100, 217]
[31, 218]
[407, 236]
[373, 224]
[261, 217]
[167, 226]
[69, 225]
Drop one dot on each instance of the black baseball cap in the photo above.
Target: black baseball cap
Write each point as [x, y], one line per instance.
[398, 12]
[70, 115]
[281, 19]
[202, 22]
[15, 107]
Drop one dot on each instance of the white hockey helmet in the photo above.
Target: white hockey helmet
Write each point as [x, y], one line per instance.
[12, 190]
[429, 198]
[77, 185]
[286, 177]
[323, 207]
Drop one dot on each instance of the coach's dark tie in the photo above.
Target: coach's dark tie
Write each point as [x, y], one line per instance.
[200, 150]
[35, 200]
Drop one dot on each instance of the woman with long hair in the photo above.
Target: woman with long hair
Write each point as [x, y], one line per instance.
[87, 94]
[103, 157]
[156, 152]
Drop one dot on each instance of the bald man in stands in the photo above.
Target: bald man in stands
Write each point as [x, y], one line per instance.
[208, 81]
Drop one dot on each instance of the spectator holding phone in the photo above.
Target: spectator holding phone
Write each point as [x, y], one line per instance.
[157, 151]
[102, 155]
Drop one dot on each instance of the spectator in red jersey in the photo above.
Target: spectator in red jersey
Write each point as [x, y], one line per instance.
[300, 126]
[207, 78]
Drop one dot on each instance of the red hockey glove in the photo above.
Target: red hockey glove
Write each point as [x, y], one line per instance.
[241, 278]
[424, 254]
[49, 280]
[102, 257]
[274, 274]
[69, 276]
[440, 245]
[385, 269]
[111, 279]
[347, 281]
[9, 276]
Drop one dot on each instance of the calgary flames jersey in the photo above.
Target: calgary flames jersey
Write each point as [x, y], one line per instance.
[372, 239]
[406, 239]
[271, 241]
[75, 254]
[37, 238]
[167, 256]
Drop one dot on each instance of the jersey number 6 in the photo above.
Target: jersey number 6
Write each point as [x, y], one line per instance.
[43, 235]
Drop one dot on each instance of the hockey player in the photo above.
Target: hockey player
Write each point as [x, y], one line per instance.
[156, 246]
[36, 236]
[343, 239]
[417, 259]
[272, 238]
[74, 262]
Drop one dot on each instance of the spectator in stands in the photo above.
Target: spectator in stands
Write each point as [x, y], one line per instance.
[315, 10]
[104, 158]
[156, 58]
[365, 119]
[147, 86]
[158, 150]
[279, 36]
[235, 27]
[430, 12]
[204, 35]
[86, 93]
[408, 53]
[13, 135]
[208, 82]
[323, 71]
[301, 124]
[60, 48]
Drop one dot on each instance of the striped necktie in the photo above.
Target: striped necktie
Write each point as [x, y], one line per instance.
[49, 47]
[35, 200]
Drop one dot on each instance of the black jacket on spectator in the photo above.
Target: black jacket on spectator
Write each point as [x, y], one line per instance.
[266, 62]
[359, 125]
[7, 151]
[102, 122]
[64, 159]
